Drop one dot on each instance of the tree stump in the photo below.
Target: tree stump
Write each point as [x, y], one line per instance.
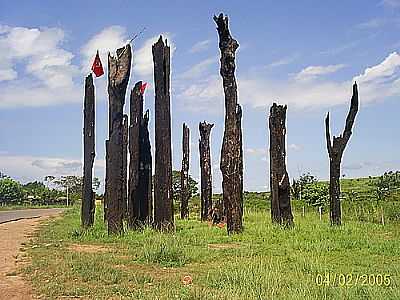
[335, 151]
[185, 193]
[140, 166]
[118, 76]
[205, 169]
[281, 212]
[163, 198]
[231, 154]
[88, 200]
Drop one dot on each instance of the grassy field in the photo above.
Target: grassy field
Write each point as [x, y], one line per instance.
[359, 260]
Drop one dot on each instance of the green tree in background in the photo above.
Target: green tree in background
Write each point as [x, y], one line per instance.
[11, 191]
[176, 185]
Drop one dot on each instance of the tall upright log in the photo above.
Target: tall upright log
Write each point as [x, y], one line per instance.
[205, 169]
[231, 154]
[125, 126]
[119, 68]
[335, 151]
[88, 201]
[185, 193]
[163, 199]
[281, 211]
[140, 166]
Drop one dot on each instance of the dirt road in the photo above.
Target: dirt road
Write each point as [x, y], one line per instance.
[13, 234]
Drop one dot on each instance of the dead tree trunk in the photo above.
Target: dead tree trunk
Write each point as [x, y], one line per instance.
[140, 166]
[145, 191]
[163, 198]
[185, 192]
[205, 168]
[125, 167]
[118, 76]
[281, 211]
[88, 201]
[335, 151]
[231, 160]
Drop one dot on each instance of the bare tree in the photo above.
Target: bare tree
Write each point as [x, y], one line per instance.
[281, 211]
[88, 200]
[119, 68]
[205, 167]
[231, 154]
[140, 166]
[335, 151]
[163, 198]
[185, 193]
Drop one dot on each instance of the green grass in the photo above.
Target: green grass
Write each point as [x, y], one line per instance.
[16, 207]
[264, 262]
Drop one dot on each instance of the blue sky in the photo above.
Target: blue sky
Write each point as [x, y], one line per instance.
[303, 53]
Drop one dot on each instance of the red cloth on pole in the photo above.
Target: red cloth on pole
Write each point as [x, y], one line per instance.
[97, 67]
[143, 87]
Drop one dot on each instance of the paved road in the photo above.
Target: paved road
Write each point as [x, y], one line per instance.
[14, 215]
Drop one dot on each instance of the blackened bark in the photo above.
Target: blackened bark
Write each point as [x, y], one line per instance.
[335, 151]
[163, 198]
[231, 161]
[125, 167]
[140, 166]
[281, 212]
[118, 76]
[145, 192]
[88, 201]
[205, 168]
[185, 193]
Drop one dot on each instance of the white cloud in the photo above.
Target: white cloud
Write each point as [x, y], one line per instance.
[391, 3]
[200, 46]
[375, 84]
[283, 61]
[45, 71]
[30, 168]
[108, 40]
[199, 69]
[312, 72]
[295, 147]
[256, 151]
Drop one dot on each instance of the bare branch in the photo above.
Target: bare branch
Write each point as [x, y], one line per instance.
[328, 135]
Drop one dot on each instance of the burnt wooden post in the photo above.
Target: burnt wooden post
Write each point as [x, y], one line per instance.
[205, 170]
[145, 187]
[119, 68]
[140, 166]
[163, 199]
[281, 211]
[231, 161]
[88, 200]
[335, 151]
[125, 167]
[185, 193]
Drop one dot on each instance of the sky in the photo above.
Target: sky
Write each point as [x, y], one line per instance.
[305, 54]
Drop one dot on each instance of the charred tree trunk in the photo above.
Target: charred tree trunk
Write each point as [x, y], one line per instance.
[163, 198]
[88, 201]
[118, 76]
[140, 166]
[125, 167]
[145, 192]
[335, 151]
[231, 160]
[205, 168]
[281, 211]
[185, 192]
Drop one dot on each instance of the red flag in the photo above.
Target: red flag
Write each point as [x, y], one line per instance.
[97, 67]
[143, 87]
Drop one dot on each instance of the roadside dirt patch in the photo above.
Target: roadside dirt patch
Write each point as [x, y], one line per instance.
[223, 246]
[86, 248]
[13, 236]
